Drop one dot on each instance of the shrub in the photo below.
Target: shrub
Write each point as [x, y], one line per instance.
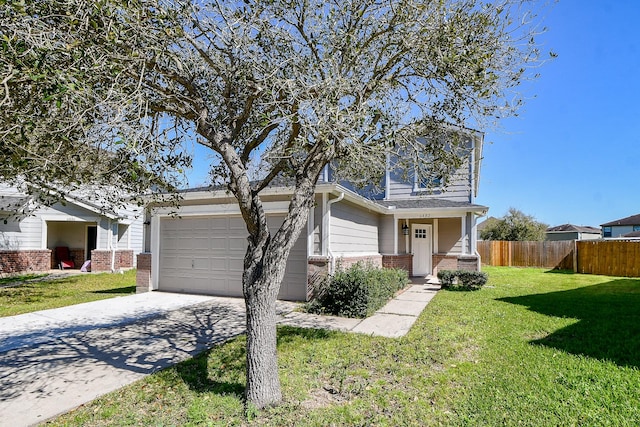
[462, 279]
[358, 291]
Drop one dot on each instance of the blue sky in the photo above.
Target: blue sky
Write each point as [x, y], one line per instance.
[573, 154]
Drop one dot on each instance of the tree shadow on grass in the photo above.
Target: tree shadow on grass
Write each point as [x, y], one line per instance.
[560, 271]
[290, 334]
[197, 373]
[123, 290]
[609, 320]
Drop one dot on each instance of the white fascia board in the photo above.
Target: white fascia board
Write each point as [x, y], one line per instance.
[218, 194]
[90, 207]
[222, 209]
[352, 197]
[430, 213]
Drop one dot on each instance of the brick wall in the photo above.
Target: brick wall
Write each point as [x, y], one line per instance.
[346, 262]
[28, 260]
[404, 261]
[454, 262]
[444, 262]
[101, 259]
[143, 273]
[468, 262]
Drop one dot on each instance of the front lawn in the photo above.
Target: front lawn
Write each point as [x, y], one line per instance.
[532, 348]
[41, 294]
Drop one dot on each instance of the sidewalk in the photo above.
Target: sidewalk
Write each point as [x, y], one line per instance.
[394, 320]
[55, 360]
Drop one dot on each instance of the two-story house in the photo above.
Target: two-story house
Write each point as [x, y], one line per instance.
[621, 227]
[420, 229]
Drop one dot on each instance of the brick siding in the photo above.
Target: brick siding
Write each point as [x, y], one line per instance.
[101, 259]
[404, 261]
[444, 262]
[27, 260]
[468, 262]
[454, 262]
[143, 273]
[346, 262]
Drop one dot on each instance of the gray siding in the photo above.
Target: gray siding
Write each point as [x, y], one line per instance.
[385, 237]
[136, 237]
[353, 230]
[22, 234]
[449, 236]
[459, 184]
[619, 230]
[104, 233]
[459, 188]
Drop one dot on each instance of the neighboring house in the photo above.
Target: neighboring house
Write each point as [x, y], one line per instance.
[572, 232]
[489, 222]
[407, 226]
[620, 227]
[27, 243]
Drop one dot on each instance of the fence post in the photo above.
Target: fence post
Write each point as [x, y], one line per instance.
[575, 256]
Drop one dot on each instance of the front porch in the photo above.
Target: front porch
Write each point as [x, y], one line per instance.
[424, 244]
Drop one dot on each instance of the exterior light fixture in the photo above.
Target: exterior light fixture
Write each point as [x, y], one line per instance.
[405, 229]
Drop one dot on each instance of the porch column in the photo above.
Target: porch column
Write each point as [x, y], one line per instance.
[435, 236]
[463, 233]
[396, 224]
[406, 238]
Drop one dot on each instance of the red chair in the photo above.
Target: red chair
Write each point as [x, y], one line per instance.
[63, 258]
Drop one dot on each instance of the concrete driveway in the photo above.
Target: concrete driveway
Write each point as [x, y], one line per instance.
[55, 360]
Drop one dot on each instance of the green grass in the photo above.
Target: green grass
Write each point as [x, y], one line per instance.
[54, 293]
[11, 280]
[533, 348]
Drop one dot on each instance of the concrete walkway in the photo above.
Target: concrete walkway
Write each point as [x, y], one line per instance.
[55, 360]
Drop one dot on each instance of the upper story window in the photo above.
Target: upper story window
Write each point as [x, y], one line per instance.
[606, 231]
[427, 183]
[636, 228]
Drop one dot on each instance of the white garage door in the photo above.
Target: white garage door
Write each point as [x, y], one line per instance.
[205, 255]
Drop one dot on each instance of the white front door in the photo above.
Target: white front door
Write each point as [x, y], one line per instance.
[421, 246]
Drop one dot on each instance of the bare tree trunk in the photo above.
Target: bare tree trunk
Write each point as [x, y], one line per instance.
[265, 264]
[263, 382]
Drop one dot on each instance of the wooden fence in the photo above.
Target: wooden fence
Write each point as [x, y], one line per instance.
[607, 257]
[527, 254]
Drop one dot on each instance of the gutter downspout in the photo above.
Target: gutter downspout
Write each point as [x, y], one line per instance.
[332, 265]
[474, 232]
[111, 248]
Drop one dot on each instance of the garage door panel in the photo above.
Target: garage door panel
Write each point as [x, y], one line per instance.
[219, 264]
[206, 255]
[218, 242]
[236, 265]
[200, 242]
[201, 264]
[238, 244]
